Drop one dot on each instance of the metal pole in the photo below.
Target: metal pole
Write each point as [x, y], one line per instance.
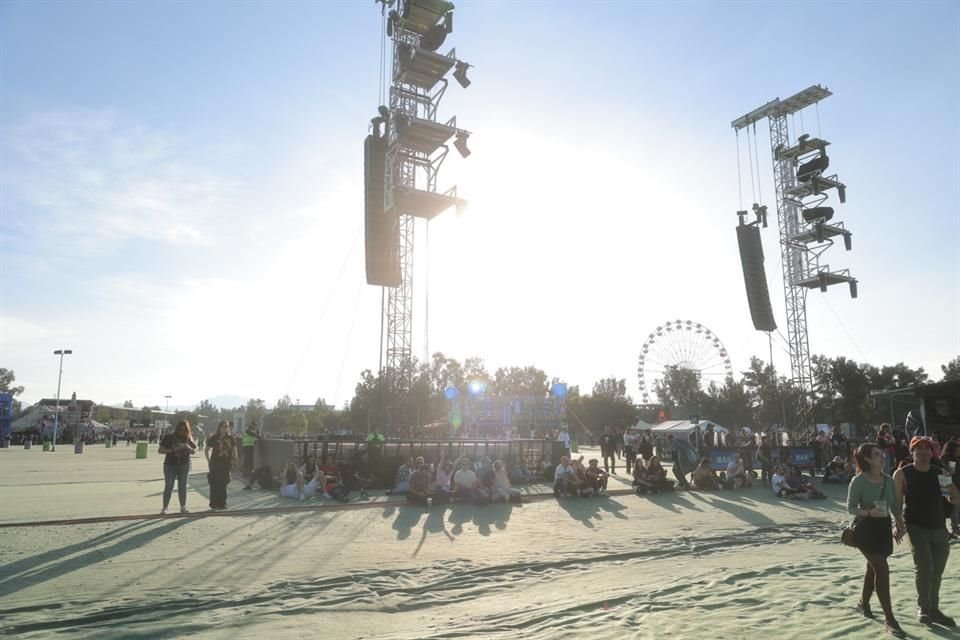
[56, 414]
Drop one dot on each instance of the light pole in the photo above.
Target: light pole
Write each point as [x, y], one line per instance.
[56, 415]
[166, 410]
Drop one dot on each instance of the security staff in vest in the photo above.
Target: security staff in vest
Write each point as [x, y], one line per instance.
[249, 443]
[920, 494]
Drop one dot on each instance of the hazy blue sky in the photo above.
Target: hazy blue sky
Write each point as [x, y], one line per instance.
[181, 188]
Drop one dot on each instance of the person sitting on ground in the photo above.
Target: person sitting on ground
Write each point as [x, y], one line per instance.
[545, 469]
[658, 476]
[443, 484]
[502, 488]
[736, 474]
[402, 482]
[419, 492]
[362, 474]
[641, 482]
[293, 486]
[310, 467]
[703, 477]
[801, 483]
[580, 474]
[520, 474]
[467, 486]
[333, 486]
[836, 472]
[565, 478]
[485, 476]
[597, 478]
[780, 487]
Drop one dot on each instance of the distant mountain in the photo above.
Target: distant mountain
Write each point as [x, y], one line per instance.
[223, 402]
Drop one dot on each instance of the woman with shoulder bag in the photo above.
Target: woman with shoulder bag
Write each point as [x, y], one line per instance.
[871, 498]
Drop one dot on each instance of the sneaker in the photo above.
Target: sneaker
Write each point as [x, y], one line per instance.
[163, 511]
[923, 617]
[184, 510]
[326, 495]
[894, 629]
[864, 609]
[939, 617]
[364, 494]
[248, 488]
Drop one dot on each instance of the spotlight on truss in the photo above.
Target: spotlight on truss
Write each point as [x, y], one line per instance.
[460, 73]
[814, 214]
[460, 142]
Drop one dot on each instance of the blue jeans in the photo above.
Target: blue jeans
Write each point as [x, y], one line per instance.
[180, 472]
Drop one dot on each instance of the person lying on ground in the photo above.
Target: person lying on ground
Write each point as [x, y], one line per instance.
[737, 475]
[597, 478]
[565, 479]
[293, 486]
[703, 477]
[467, 486]
[333, 485]
[502, 488]
[362, 474]
[782, 489]
[837, 472]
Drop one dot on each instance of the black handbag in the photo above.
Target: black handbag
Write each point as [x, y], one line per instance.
[848, 535]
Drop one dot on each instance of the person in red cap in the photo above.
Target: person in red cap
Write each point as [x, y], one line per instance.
[918, 490]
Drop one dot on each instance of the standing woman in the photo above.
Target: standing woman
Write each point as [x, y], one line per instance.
[224, 458]
[871, 497]
[179, 447]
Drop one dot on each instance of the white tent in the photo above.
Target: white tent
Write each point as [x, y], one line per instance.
[683, 428]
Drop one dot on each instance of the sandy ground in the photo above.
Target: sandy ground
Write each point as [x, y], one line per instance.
[686, 565]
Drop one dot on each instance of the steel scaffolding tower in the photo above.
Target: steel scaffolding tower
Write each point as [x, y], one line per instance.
[801, 189]
[416, 149]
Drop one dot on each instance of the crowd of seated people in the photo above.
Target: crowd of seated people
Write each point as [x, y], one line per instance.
[838, 471]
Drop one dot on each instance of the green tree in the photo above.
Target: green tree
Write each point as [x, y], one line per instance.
[255, 411]
[951, 370]
[128, 404]
[679, 388]
[520, 381]
[728, 404]
[296, 422]
[7, 379]
[608, 406]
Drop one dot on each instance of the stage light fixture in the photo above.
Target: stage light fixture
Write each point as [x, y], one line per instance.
[848, 243]
[814, 214]
[460, 73]
[853, 289]
[460, 142]
[813, 168]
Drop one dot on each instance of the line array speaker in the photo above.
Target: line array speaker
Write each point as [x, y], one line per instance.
[381, 231]
[755, 277]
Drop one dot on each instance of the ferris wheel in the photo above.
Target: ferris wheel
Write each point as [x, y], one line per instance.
[685, 344]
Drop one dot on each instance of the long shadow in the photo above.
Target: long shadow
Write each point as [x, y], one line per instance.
[118, 545]
[734, 508]
[584, 510]
[13, 570]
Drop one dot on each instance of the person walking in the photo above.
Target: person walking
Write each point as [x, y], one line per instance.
[249, 444]
[221, 454]
[608, 449]
[871, 497]
[919, 492]
[178, 447]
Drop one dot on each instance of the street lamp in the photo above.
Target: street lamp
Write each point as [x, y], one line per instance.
[56, 415]
[166, 410]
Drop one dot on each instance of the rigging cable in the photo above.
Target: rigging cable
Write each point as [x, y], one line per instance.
[739, 178]
[756, 154]
[753, 186]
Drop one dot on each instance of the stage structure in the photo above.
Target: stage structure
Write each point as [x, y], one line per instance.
[802, 189]
[410, 142]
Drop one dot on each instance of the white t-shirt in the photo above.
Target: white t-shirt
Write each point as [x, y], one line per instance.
[564, 437]
[464, 479]
[563, 471]
[778, 482]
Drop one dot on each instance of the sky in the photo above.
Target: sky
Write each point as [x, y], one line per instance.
[181, 189]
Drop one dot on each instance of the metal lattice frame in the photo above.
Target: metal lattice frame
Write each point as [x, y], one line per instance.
[795, 262]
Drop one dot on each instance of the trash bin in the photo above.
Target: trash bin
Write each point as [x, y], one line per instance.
[46, 445]
[109, 443]
[141, 450]
[27, 444]
[78, 446]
